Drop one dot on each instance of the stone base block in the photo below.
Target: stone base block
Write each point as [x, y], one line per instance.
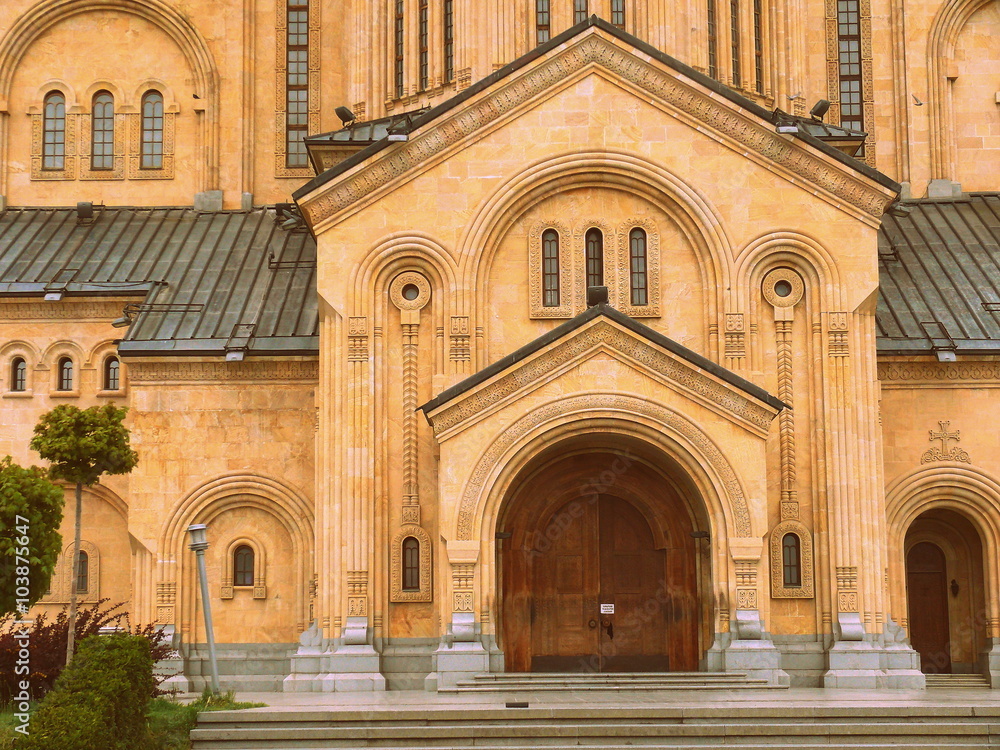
[209, 200]
[351, 669]
[855, 665]
[758, 658]
[991, 663]
[901, 668]
[943, 189]
[457, 661]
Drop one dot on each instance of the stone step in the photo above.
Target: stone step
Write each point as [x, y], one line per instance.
[953, 681]
[563, 681]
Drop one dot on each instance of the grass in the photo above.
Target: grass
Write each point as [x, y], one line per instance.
[170, 722]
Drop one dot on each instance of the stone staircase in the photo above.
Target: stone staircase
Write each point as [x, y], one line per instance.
[956, 681]
[575, 682]
[737, 724]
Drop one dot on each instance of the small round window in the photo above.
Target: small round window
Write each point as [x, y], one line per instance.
[410, 292]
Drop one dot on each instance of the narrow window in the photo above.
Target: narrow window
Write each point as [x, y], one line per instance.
[792, 560]
[82, 573]
[399, 38]
[54, 131]
[758, 47]
[713, 41]
[637, 265]
[411, 564]
[541, 21]
[111, 371]
[297, 84]
[65, 374]
[852, 113]
[243, 566]
[152, 130]
[102, 131]
[618, 14]
[734, 26]
[550, 268]
[449, 40]
[424, 49]
[18, 374]
[595, 258]
[579, 11]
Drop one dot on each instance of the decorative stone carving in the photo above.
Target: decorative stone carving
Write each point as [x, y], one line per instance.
[166, 599]
[396, 592]
[623, 269]
[837, 333]
[567, 272]
[357, 593]
[117, 171]
[735, 336]
[807, 589]
[281, 78]
[944, 374]
[944, 453]
[135, 170]
[68, 172]
[222, 372]
[783, 287]
[460, 350]
[462, 575]
[404, 280]
[357, 339]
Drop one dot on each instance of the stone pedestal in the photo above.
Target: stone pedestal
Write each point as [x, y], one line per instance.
[456, 661]
[900, 663]
[351, 669]
[747, 648]
[991, 663]
[306, 663]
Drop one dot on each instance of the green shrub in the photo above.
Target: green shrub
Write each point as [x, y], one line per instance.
[100, 699]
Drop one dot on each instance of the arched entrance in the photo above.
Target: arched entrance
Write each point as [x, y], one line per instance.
[599, 571]
[945, 592]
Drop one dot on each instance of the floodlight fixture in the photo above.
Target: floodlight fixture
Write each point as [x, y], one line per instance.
[819, 109]
[346, 115]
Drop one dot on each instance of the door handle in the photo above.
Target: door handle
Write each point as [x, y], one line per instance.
[609, 628]
[592, 624]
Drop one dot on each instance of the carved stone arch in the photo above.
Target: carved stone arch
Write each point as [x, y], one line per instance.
[60, 348]
[778, 589]
[11, 351]
[682, 440]
[170, 105]
[44, 15]
[103, 84]
[800, 252]
[73, 105]
[948, 23]
[426, 591]
[259, 567]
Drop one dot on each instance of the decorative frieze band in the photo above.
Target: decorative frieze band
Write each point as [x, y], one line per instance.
[65, 309]
[939, 372]
[264, 370]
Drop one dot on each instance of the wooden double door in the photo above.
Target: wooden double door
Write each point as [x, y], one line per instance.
[927, 591]
[592, 592]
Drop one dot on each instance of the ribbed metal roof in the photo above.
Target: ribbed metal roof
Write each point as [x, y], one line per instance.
[364, 133]
[243, 282]
[940, 277]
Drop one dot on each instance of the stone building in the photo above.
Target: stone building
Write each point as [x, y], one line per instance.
[529, 336]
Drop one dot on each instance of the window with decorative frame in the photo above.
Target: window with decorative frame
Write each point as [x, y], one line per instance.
[244, 567]
[550, 268]
[410, 565]
[297, 99]
[850, 68]
[713, 39]
[550, 271]
[112, 374]
[53, 138]
[64, 374]
[102, 131]
[594, 244]
[638, 283]
[83, 573]
[87, 579]
[543, 21]
[636, 286]
[735, 40]
[618, 14]
[18, 375]
[54, 132]
[449, 41]
[791, 561]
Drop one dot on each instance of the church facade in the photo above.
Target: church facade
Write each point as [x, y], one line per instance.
[520, 337]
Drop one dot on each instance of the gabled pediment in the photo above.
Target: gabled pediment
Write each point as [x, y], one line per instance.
[595, 46]
[602, 330]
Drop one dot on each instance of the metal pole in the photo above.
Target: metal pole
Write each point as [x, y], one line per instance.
[199, 546]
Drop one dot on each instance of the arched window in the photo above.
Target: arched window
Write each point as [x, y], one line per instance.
[637, 266]
[112, 369]
[423, 36]
[65, 374]
[82, 573]
[297, 84]
[411, 564]
[152, 130]
[550, 268]
[713, 41]
[734, 39]
[18, 374]
[399, 37]
[243, 566]
[102, 131]
[54, 131]
[792, 559]
[758, 47]
[449, 41]
[595, 258]
[618, 14]
[542, 21]
[580, 10]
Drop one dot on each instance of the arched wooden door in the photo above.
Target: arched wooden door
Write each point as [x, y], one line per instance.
[927, 599]
[588, 591]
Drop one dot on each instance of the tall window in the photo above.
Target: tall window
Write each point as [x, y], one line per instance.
[54, 131]
[542, 21]
[424, 50]
[399, 38]
[758, 47]
[18, 374]
[449, 40]
[152, 130]
[618, 14]
[550, 268]
[792, 560]
[713, 41]
[102, 131]
[595, 258]
[579, 11]
[82, 573]
[849, 44]
[65, 374]
[111, 374]
[637, 266]
[734, 39]
[243, 566]
[297, 84]
[411, 564]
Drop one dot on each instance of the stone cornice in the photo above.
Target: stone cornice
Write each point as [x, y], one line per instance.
[684, 376]
[938, 374]
[72, 309]
[707, 109]
[165, 373]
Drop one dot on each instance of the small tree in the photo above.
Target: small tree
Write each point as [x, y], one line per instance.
[31, 510]
[81, 446]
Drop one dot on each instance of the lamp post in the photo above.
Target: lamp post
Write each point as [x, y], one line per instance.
[199, 544]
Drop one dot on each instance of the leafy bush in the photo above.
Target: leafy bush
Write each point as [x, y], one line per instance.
[100, 699]
[48, 645]
[170, 723]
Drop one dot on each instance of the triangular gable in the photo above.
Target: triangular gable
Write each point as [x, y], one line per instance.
[601, 326]
[596, 42]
